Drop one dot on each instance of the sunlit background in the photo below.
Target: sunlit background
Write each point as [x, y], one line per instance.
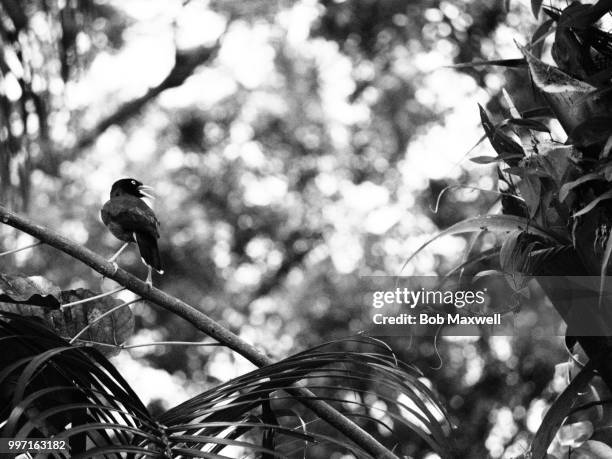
[306, 150]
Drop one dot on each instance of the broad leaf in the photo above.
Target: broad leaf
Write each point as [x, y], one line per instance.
[29, 290]
[114, 328]
[530, 189]
[562, 92]
[556, 159]
[594, 449]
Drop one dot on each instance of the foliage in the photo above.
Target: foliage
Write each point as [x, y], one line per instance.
[276, 191]
[565, 189]
[47, 383]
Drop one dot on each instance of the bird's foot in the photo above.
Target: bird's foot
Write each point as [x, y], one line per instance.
[149, 280]
[115, 266]
[115, 269]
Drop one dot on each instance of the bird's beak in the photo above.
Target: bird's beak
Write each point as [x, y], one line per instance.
[146, 191]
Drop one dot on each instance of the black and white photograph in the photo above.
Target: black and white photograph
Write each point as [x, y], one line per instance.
[306, 229]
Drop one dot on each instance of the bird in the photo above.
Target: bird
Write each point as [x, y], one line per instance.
[130, 219]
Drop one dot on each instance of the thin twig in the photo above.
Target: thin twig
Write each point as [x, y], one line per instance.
[8, 252]
[102, 316]
[155, 343]
[199, 320]
[92, 298]
[169, 343]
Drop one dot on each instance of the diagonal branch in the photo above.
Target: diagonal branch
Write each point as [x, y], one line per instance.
[198, 319]
[185, 64]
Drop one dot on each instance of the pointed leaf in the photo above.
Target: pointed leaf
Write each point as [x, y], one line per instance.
[530, 188]
[538, 112]
[559, 411]
[569, 186]
[535, 7]
[505, 147]
[505, 223]
[537, 39]
[562, 92]
[593, 203]
[556, 160]
[512, 63]
[485, 159]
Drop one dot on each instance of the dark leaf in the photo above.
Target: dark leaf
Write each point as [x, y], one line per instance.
[602, 197]
[538, 112]
[29, 290]
[46, 384]
[485, 159]
[114, 328]
[555, 159]
[559, 410]
[537, 39]
[506, 148]
[530, 189]
[37, 365]
[569, 186]
[587, 15]
[529, 124]
[562, 92]
[513, 63]
[592, 131]
[517, 170]
[537, 259]
[552, 13]
[535, 7]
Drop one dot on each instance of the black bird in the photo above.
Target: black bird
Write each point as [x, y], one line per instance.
[130, 219]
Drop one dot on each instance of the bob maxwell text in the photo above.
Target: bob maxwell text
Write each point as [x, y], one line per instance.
[436, 319]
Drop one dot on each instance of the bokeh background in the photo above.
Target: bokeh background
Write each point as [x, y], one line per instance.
[294, 147]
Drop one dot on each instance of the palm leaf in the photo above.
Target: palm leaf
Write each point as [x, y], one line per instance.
[47, 385]
[329, 374]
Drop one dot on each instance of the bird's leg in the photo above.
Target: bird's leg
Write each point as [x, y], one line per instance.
[149, 276]
[116, 255]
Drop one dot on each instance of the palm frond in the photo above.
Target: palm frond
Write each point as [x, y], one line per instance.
[332, 375]
[51, 389]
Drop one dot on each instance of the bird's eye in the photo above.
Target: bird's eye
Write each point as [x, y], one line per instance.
[133, 182]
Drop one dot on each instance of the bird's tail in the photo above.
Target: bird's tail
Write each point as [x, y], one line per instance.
[147, 244]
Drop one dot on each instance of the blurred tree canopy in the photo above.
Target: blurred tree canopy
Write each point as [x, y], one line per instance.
[294, 146]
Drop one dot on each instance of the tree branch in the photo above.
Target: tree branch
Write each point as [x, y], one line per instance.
[198, 319]
[186, 62]
[184, 65]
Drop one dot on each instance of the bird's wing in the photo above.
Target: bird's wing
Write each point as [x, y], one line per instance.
[133, 215]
